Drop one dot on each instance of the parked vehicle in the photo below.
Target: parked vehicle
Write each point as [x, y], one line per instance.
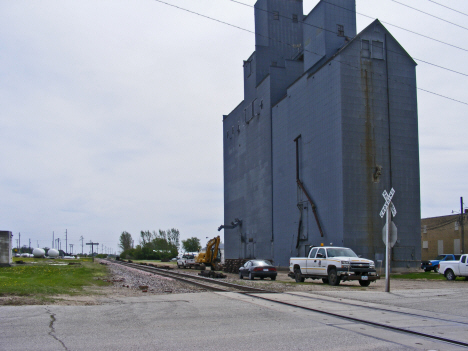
[453, 269]
[258, 268]
[186, 261]
[332, 265]
[433, 265]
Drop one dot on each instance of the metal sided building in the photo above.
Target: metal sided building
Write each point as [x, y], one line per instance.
[328, 122]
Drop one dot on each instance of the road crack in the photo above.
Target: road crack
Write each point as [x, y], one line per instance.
[52, 328]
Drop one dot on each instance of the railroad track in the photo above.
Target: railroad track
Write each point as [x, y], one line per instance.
[272, 296]
[422, 321]
[199, 281]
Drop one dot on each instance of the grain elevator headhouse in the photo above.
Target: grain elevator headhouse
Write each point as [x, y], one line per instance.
[328, 122]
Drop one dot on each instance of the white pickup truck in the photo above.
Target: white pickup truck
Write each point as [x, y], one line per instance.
[332, 265]
[453, 269]
[186, 261]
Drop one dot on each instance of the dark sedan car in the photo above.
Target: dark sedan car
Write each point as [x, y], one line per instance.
[258, 268]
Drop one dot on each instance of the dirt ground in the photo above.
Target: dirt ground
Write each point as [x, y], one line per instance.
[129, 282]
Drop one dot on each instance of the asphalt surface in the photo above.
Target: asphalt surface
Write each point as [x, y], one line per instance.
[230, 321]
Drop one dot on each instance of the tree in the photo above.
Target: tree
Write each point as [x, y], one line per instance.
[191, 244]
[125, 241]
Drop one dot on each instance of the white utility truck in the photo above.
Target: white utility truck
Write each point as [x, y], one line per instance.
[454, 269]
[332, 265]
[186, 261]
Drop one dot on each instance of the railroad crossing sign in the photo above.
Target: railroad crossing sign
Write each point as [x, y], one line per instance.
[388, 202]
[389, 229]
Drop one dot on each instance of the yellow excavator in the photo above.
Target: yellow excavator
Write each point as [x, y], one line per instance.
[211, 256]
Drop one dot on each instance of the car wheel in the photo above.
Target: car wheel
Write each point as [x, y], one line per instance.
[251, 276]
[274, 278]
[333, 278]
[436, 269]
[178, 266]
[240, 275]
[262, 278]
[364, 282]
[298, 276]
[449, 274]
[325, 280]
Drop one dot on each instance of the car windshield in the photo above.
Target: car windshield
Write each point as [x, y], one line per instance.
[340, 252]
[261, 263]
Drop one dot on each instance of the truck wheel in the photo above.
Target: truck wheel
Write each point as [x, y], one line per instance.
[364, 282]
[436, 269]
[449, 274]
[298, 276]
[325, 280]
[333, 278]
[427, 270]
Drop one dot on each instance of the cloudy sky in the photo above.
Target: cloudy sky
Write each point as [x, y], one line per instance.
[111, 111]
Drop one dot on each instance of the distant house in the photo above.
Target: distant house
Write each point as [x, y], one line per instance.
[328, 122]
[442, 235]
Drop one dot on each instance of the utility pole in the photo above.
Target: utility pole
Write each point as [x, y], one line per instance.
[71, 249]
[462, 226]
[81, 238]
[19, 239]
[66, 239]
[29, 246]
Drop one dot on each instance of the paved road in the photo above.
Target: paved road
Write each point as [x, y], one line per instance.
[223, 321]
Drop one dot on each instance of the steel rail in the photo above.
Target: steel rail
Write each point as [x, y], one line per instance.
[375, 324]
[203, 282]
[377, 308]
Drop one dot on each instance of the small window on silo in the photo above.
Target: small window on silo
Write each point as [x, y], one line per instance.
[365, 49]
[425, 245]
[377, 50]
[340, 30]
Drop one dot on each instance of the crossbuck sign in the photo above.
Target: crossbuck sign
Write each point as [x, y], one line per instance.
[388, 202]
[385, 209]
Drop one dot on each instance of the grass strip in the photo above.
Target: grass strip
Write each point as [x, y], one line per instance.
[44, 277]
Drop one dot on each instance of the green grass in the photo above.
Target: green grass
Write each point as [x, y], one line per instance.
[419, 275]
[43, 278]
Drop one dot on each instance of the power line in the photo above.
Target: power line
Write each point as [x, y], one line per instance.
[448, 7]
[335, 32]
[402, 28]
[426, 13]
[345, 63]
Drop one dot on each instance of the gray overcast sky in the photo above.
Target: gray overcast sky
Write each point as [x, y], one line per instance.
[111, 112]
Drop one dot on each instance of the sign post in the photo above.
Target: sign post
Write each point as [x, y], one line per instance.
[387, 207]
[92, 248]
